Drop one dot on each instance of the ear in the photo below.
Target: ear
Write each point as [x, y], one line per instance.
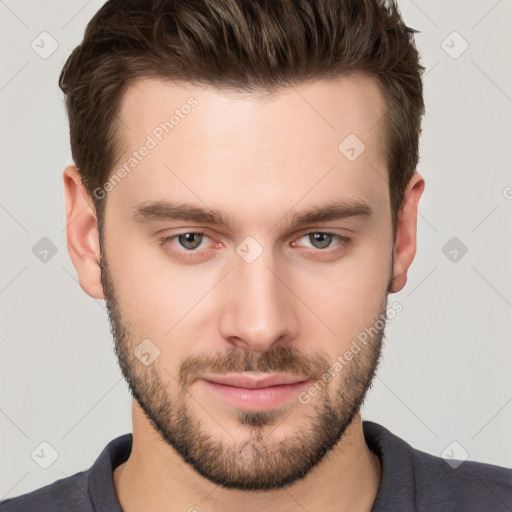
[405, 244]
[82, 233]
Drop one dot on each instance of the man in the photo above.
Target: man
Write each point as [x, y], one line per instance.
[244, 197]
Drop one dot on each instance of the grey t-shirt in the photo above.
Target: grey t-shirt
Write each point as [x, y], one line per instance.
[411, 480]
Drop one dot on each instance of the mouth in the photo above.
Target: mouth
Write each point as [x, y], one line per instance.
[255, 392]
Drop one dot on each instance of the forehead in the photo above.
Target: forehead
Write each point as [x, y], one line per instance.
[329, 107]
[323, 136]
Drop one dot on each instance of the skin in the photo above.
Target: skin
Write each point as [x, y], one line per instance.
[240, 154]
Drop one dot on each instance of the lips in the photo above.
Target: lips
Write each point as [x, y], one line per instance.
[256, 392]
[255, 382]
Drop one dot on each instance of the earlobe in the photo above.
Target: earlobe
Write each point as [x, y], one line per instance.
[82, 233]
[405, 245]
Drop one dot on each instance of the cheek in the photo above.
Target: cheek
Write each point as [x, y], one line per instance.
[149, 296]
[349, 294]
[159, 299]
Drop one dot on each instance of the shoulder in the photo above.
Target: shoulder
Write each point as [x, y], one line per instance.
[472, 485]
[425, 482]
[68, 493]
[86, 491]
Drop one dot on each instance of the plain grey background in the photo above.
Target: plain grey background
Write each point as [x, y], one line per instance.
[445, 382]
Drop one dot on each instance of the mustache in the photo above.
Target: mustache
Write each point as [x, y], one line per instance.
[278, 359]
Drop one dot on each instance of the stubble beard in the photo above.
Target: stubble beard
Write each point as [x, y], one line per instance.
[261, 461]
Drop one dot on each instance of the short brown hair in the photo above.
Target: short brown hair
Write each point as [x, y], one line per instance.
[245, 46]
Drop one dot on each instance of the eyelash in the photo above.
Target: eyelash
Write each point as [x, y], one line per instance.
[197, 253]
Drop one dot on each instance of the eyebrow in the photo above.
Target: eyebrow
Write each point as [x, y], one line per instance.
[148, 211]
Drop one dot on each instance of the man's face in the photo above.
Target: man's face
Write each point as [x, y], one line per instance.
[225, 304]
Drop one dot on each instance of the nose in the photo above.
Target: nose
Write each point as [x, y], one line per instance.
[258, 309]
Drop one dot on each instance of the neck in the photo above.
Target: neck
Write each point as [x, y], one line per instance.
[346, 479]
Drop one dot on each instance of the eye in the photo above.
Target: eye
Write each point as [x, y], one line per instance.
[322, 240]
[185, 242]
[195, 246]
